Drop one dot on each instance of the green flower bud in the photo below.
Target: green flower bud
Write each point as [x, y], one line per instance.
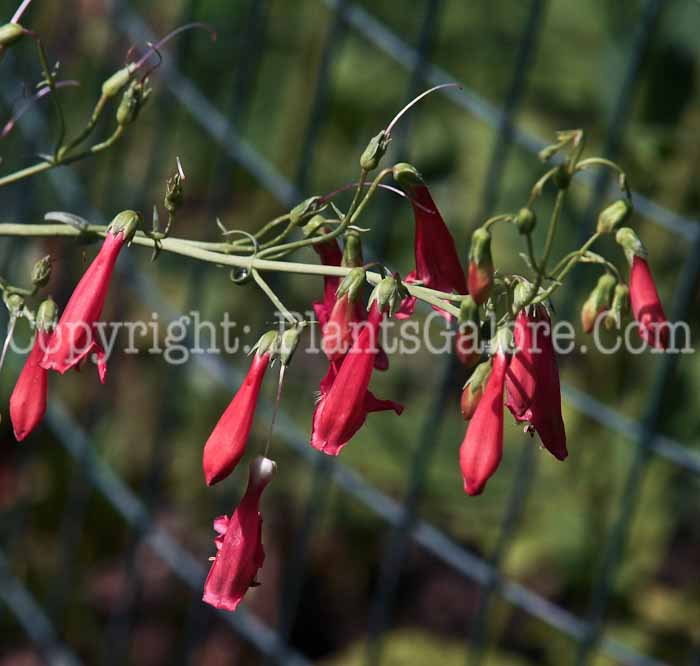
[115, 83]
[14, 303]
[288, 342]
[125, 222]
[47, 315]
[613, 216]
[374, 152]
[388, 294]
[174, 194]
[352, 284]
[267, 344]
[314, 225]
[598, 302]
[406, 175]
[10, 33]
[630, 243]
[525, 220]
[481, 270]
[474, 389]
[41, 271]
[620, 307]
[135, 96]
[304, 209]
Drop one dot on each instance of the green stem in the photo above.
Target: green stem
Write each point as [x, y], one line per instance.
[97, 111]
[214, 253]
[286, 248]
[51, 83]
[273, 297]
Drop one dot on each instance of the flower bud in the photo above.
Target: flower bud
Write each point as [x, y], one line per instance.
[352, 284]
[174, 194]
[304, 209]
[10, 33]
[41, 271]
[467, 340]
[115, 83]
[613, 216]
[47, 315]
[525, 220]
[135, 96]
[474, 389]
[261, 471]
[630, 243]
[406, 175]
[598, 302]
[125, 222]
[352, 250]
[620, 307]
[288, 342]
[314, 225]
[14, 303]
[267, 344]
[374, 152]
[503, 340]
[480, 279]
[522, 295]
[388, 294]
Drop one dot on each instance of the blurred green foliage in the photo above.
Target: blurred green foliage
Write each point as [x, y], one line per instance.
[151, 419]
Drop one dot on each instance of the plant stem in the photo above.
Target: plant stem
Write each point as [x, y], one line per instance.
[269, 292]
[216, 253]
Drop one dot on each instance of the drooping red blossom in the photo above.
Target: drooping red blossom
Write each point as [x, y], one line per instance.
[239, 549]
[532, 380]
[482, 447]
[330, 255]
[344, 317]
[338, 331]
[227, 441]
[437, 262]
[28, 399]
[345, 399]
[646, 305]
[76, 335]
[480, 273]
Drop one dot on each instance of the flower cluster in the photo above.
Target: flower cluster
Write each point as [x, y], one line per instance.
[511, 312]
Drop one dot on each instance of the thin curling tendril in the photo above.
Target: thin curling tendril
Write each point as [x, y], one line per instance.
[28, 103]
[415, 101]
[153, 48]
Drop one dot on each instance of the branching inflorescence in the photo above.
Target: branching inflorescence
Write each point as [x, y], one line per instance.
[504, 322]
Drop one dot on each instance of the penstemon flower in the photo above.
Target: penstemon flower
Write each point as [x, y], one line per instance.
[227, 442]
[239, 550]
[75, 336]
[28, 399]
[437, 262]
[644, 298]
[482, 447]
[532, 379]
[345, 399]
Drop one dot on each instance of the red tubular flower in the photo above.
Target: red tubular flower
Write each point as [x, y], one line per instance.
[76, 336]
[482, 447]
[239, 549]
[532, 380]
[345, 398]
[330, 255]
[646, 305]
[437, 262]
[338, 317]
[28, 399]
[226, 444]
